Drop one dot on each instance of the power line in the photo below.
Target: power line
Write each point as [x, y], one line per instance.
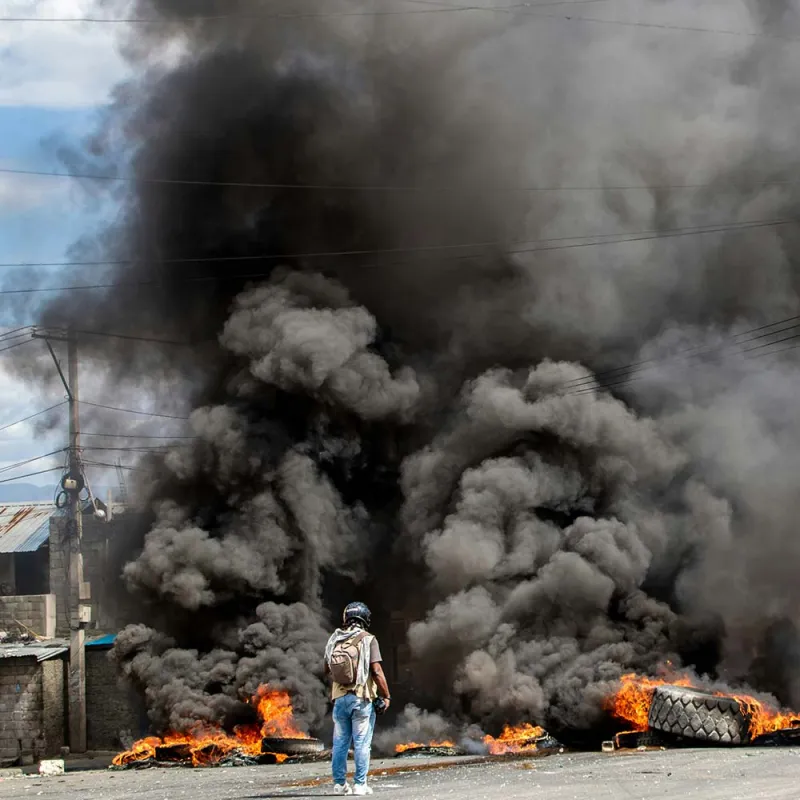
[12, 346]
[135, 436]
[516, 8]
[31, 460]
[664, 26]
[31, 474]
[637, 376]
[542, 245]
[7, 336]
[130, 337]
[113, 466]
[10, 338]
[686, 352]
[333, 187]
[31, 416]
[140, 449]
[129, 411]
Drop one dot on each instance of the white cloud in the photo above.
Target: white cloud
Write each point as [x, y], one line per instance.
[19, 193]
[57, 64]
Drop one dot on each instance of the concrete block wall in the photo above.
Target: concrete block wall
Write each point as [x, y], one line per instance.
[106, 547]
[21, 709]
[115, 714]
[54, 704]
[35, 611]
[93, 545]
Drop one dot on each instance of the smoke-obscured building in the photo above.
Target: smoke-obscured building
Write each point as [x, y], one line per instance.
[34, 632]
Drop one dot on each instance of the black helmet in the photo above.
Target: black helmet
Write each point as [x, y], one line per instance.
[357, 613]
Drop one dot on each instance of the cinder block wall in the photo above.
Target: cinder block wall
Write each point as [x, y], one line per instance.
[31, 708]
[21, 709]
[103, 545]
[34, 611]
[114, 713]
[54, 704]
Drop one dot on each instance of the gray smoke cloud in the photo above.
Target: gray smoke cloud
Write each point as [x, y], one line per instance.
[399, 380]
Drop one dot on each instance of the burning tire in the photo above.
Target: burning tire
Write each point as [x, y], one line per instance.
[291, 747]
[698, 715]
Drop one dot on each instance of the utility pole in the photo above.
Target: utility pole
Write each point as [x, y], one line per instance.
[78, 612]
[79, 595]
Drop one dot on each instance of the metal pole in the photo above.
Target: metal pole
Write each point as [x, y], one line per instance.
[77, 650]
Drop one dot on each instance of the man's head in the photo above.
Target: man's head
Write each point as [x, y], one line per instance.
[356, 614]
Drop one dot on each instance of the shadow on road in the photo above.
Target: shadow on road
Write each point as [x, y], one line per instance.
[284, 794]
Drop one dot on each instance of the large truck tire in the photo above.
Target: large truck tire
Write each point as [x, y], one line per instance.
[291, 747]
[698, 715]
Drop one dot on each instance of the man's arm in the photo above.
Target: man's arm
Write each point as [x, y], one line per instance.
[383, 687]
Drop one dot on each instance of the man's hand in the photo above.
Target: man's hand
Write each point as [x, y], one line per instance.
[381, 704]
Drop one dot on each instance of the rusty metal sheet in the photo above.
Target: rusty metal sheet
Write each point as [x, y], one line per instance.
[24, 527]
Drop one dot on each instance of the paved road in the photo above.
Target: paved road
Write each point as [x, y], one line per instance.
[670, 775]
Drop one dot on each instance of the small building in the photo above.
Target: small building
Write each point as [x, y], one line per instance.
[35, 630]
[115, 713]
[32, 700]
[24, 540]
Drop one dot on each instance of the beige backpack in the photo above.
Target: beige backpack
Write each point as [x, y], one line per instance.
[344, 660]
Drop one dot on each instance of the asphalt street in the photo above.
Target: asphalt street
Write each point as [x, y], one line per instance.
[737, 774]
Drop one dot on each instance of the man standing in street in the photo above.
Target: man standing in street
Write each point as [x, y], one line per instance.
[353, 661]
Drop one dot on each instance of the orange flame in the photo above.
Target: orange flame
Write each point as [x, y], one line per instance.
[764, 719]
[514, 739]
[402, 748]
[207, 744]
[631, 703]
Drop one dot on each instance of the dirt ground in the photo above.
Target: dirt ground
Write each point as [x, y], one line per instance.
[736, 774]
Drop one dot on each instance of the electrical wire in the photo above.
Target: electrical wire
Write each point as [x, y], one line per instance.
[12, 346]
[665, 26]
[161, 448]
[15, 334]
[134, 436]
[637, 377]
[112, 466]
[30, 460]
[244, 276]
[30, 474]
[699, 350]
[130, 411]
[516, 8]
[621, 236]
[333, 187]
[132, 338]
[31, 416]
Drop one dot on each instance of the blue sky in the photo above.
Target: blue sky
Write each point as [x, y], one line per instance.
[41, 227]
[54, 78]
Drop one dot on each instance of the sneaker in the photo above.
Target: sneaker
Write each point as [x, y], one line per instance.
[342, 788]
[362, 789]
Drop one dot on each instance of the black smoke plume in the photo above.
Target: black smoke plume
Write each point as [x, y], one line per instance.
[390, 403]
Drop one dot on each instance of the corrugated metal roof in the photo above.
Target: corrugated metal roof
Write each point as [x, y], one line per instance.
[24, 527]
[41, 651]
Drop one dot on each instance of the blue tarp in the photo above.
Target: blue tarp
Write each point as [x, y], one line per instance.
[102, 641]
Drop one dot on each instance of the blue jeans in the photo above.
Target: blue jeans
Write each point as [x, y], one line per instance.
[353, 720]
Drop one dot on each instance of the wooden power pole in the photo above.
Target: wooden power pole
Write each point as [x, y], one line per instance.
[78, 611]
